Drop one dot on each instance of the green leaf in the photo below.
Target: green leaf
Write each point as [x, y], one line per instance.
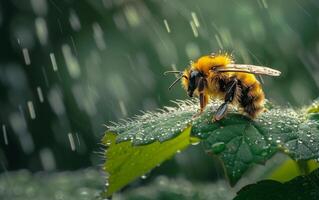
[126, 162]
[160, 126]
[289, 169]
[247, 142]
[239, 141]
[301, 187]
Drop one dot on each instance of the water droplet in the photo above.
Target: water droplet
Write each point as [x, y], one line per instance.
[264, 153]
[5, 136]
[40, 94]
[71, 61]
[41, 30]
[195, 19]
[167, 26]
[71, 140]
[218, 147]
[195, 142]
[194, 28]
[31, 110]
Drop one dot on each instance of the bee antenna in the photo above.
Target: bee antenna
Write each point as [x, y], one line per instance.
[172, 72]
[174, 83]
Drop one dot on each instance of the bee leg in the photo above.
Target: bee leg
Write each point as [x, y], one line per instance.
[221, 112]
[203, 99]
[229, 97]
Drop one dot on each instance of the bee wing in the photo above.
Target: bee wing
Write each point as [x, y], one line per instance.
[251, 69]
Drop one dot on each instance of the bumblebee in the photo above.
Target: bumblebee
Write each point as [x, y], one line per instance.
[217, 76]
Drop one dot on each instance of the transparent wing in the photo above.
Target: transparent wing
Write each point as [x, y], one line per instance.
[251, 69]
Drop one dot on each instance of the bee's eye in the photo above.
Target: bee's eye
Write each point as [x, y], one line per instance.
[194, 74]
[192, 78]
[193, 82]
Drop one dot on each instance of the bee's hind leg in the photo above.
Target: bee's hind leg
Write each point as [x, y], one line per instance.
[221, 112]
[229, 97]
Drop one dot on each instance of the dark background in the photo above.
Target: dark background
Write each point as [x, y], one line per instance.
[111, 55]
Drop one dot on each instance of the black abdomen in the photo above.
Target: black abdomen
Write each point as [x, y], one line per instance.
[251, 98]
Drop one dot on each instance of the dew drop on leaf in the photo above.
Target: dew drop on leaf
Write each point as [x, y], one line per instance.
[218, 147]
[195, 143]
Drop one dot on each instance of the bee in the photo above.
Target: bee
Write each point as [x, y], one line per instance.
[216, 76]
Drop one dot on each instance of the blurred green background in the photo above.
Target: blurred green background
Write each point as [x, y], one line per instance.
[69, 66]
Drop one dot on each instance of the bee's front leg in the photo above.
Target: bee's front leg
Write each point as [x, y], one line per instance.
[203, 98]
[229, 97]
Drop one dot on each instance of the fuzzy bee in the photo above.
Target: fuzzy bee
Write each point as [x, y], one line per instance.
[218, 77]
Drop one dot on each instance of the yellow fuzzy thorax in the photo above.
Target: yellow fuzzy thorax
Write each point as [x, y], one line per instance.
[205, 63]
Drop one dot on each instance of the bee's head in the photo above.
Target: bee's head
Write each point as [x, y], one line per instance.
[193, 81]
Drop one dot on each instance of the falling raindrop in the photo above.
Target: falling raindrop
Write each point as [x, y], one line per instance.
[78, 139]
[26, 56]
[219, 41]
[74, 21]
[53, 61]
[192, 50]
[98, 36]
[39, 7]
[71, 61]
[5, 136]
[167, 26]
[264, 3]
[41, 30]
[47, 159]
[123, 108]
[19, 126]
[31, 110]
[71, 140]
[55, 100]
[194, 28]
[40, 94]
[195, 19]
[132, 15]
